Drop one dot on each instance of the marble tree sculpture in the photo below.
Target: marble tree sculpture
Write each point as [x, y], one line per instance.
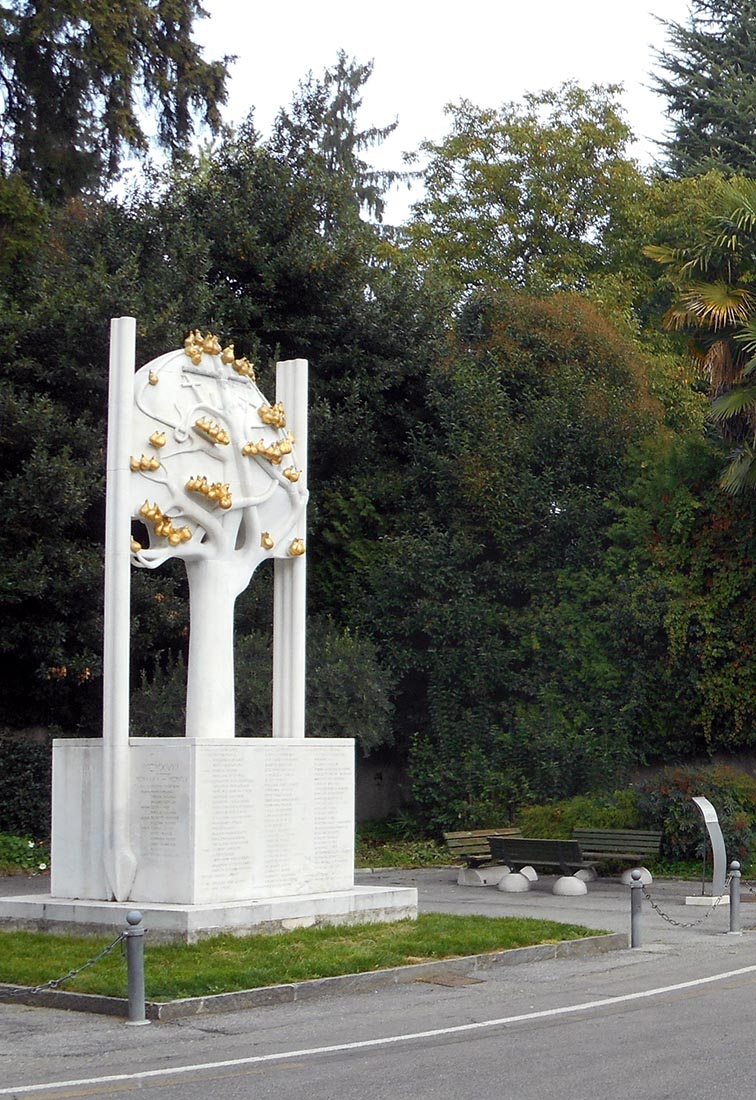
[208, 468]
[216, 482]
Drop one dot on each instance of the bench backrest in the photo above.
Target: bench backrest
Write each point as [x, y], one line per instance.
[628, 842]
[474, 842]
[518, 849]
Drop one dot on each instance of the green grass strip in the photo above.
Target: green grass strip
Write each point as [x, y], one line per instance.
[225, 964]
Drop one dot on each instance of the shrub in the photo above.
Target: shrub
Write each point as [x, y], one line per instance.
[618, 810]
[562, 756]
[665, 803]
[396, 842]
[348, 692]
[463, 785]
[22, 854]
[25, 784]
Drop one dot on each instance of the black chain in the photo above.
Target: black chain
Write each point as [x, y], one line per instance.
[685, 924]
[19, 990]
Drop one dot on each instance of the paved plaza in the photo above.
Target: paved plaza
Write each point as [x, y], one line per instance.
[666, 918]
[606, 906]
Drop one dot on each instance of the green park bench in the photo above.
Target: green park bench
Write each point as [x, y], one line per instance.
[627, 845]
[517, 852]
[471, 845]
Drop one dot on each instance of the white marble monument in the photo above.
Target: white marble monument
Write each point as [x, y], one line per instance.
[207, 832]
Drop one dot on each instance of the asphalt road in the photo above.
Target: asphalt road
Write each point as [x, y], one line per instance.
[656, 1022]
[693, 1039]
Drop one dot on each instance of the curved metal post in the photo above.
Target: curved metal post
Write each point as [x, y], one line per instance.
[719, 855]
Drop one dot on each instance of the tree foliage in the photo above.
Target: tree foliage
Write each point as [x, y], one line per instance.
[666, 616]
[231, 242]
[320, 133]
[77, 77]
[528, 195]
[521, 573]
[535, 409]
[707, 80]
[715, 304]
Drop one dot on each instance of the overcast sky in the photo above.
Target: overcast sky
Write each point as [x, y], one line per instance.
[427, 54]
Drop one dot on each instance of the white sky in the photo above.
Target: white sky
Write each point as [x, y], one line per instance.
[427, 54]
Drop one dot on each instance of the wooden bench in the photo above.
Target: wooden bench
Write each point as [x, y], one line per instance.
[471, 845]
[628, 845]
[519, 852]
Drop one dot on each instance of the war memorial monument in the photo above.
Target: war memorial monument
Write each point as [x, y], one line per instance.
[205, 833]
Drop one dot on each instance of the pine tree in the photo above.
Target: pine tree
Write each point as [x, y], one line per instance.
[319, 133]
[78, 77]
[708, 80]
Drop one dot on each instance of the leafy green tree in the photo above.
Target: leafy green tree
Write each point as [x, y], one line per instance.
[535, 410]
[707, 79]
[530, 195]
[22, 220]
[52, 409]
[77, 77]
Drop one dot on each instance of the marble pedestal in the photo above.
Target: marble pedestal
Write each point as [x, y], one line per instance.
[237, 835]
[191, 923]
[709, 900]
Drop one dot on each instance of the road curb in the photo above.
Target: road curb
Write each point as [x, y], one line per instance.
[318, 987]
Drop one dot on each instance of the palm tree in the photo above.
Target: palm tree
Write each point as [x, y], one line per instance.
[716, 305]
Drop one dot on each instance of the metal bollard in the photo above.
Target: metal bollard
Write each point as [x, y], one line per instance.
[636, 901]
[735, 899]
[135, 967]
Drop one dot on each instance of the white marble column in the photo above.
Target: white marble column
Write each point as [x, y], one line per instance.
[290, 575]
[120, 863]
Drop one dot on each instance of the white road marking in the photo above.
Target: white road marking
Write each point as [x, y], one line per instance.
[365, 1044]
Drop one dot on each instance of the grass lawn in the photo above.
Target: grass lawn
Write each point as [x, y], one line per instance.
[228, 963]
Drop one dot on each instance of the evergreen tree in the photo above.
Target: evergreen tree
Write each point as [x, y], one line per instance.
[77, 78]
[708, 80]
[319, 133]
